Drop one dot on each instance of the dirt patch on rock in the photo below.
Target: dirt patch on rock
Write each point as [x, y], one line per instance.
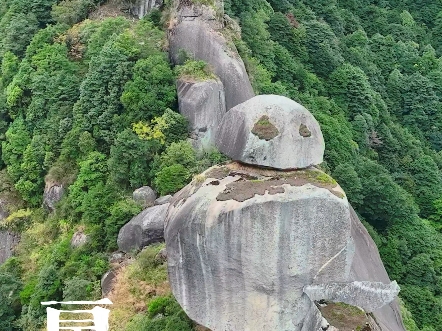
[304, 131]
[345, 317]
[264, 129]
[251, 183]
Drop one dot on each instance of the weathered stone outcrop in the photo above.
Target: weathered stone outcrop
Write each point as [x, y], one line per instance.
[8, 240]
[79, 239]
[271, 131]
[141, 7]
[366, 295]
[144, 229]
[196, 30]
[203, 104]
[144, 196]
[52, 194]
[163, 200]
[243, 244]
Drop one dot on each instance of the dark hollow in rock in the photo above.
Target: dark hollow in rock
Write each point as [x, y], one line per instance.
[264, 129]
[304, 131]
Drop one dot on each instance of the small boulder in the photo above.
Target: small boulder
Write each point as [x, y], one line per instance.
[163, 200]
[79, 239]
[144, 229]
[144, 196]
[203, 104]
[107, 282]
[271, 131]
[52, 194]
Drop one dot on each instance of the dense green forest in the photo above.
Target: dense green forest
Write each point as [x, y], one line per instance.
[91, 104]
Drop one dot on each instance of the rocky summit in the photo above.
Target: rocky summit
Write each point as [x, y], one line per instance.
[252, 249]
[271, 131]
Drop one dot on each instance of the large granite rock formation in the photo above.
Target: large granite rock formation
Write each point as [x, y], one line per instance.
[141, 7]
[203, 104]
[144, 229]
[243, 243]
[196, 30]
[271, 131]
[8, 239]
[52, 194]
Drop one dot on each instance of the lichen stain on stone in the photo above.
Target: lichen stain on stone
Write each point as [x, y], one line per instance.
[304, 131]
[242, 189]
[264, 129]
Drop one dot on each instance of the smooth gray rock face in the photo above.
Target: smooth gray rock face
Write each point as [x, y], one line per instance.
[271, 131]
[237, 266]
[203, 104]
[163, 200]
[8, 240]
[53, 193]
[107, 282]
[144, 229]
[240, 254]
[366, 295]
[195, 32]
[144, 196]
[141, 7]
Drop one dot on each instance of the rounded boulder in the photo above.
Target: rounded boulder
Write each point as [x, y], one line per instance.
[271, 131]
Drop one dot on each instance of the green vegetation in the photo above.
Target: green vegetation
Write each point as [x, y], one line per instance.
[91, 104]
[193, 70]
[370, 72]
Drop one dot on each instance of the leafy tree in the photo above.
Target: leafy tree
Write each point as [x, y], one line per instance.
[151, 91]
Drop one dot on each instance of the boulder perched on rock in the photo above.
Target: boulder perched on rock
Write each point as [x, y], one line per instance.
[243, 243]
[271, 131]
[197, 32]
[203, 104]
[52, 194]
[144, 196]
[144, 229]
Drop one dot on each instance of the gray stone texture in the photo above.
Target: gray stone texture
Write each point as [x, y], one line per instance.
[298, 144]
[52, 194]
[237, 266]
[79, 239]
[108, 282]
[196, 30]
[140, 8]
[144, 229]
[369, 296]
[144, 196]
[163, 200]
[8, 240]
[203, 104]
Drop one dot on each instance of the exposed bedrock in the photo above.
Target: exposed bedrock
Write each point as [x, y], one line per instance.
[8, 239]
[243, 242]
[271, 131]
[203, 104]
[144, 229]
[142, 7]
[53, 193]
[197, 32]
